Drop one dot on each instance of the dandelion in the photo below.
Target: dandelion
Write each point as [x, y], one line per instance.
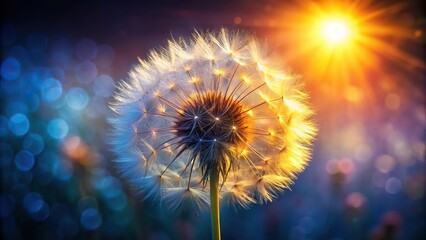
[215, 118]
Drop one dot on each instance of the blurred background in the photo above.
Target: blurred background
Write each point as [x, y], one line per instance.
[363, 63]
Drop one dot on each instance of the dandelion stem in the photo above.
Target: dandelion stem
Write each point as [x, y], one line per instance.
[214, 204]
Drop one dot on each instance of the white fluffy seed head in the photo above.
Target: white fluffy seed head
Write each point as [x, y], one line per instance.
[218, 102]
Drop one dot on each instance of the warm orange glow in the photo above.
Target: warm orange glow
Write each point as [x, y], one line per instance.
[354, 58]
[77, 150]
[338, 46]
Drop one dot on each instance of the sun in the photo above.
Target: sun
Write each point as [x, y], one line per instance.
[345, 42]
[336, 31]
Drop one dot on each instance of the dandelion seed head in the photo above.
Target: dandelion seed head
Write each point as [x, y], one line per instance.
[216, 103]
[215, 132]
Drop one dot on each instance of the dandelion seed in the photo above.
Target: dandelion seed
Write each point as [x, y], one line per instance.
[209, 119]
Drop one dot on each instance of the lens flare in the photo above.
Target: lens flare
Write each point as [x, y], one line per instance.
[341, 44]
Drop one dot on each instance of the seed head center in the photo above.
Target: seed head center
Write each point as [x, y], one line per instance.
[211, 122]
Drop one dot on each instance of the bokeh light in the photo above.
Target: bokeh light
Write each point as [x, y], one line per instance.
[10, 68]
[33, 143]
[77, 98]
[90, 219]
[19, 124]
[86, 72]
[57, 128]
[24, 160]
[51, 89]
[104, 86]
[33, 202]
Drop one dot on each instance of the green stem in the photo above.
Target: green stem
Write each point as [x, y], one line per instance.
[214, 204]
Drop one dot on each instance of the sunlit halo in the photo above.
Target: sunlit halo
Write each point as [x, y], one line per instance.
[335, 31]
[340, 45]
